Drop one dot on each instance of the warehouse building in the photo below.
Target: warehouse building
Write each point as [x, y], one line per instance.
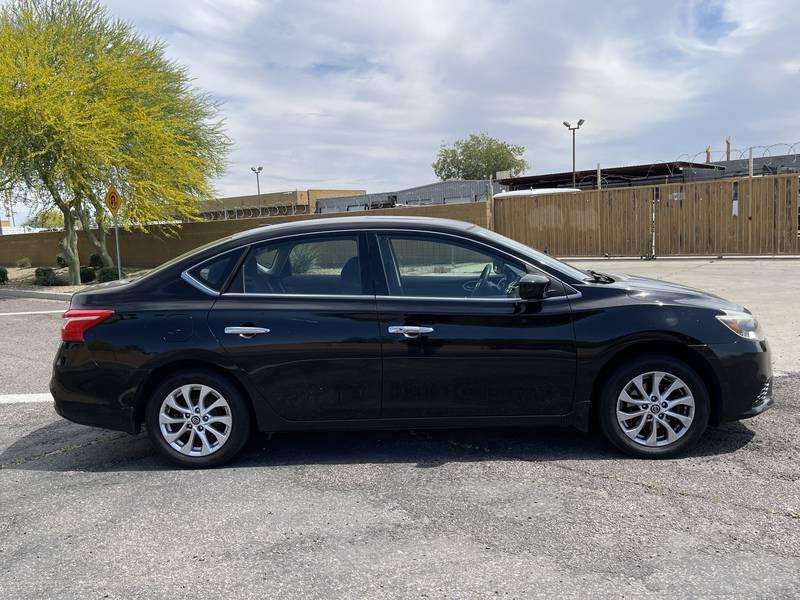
[441, 192]
[656, 173]
[270, 204]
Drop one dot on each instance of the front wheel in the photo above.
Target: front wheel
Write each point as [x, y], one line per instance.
[654, 407]
[197, 419]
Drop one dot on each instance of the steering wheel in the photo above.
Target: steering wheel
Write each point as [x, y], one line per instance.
[484, 277]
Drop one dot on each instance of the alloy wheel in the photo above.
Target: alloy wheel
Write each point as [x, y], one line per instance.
[195, 420]
[655, 409]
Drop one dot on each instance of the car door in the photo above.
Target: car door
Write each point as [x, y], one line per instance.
[457, 340]
[299, 320]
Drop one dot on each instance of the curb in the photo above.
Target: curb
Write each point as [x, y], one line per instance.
[32, 294]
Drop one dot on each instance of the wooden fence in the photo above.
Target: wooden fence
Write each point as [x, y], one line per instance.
[747, 216]
[595, 223]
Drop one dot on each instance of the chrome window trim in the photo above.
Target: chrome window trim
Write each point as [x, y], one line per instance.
[492, 299]
[187, 277]
[246, 247]
[369, 297]
[196, 284]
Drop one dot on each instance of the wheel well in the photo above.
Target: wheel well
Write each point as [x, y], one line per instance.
[672, 349]
[158, 375]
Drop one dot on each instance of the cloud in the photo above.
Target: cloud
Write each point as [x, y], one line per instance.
[358, 93]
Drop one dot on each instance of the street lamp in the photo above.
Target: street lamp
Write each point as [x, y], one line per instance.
[573, 130]
[257, 171]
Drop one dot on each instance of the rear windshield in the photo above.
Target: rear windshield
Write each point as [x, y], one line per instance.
[183, 256]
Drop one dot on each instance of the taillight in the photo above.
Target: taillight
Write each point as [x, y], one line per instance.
[81, 321]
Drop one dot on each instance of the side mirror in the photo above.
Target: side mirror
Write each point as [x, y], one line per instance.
[533, 287]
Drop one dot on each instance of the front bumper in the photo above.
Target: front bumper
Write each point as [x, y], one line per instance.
[764, 400]
[744, 373]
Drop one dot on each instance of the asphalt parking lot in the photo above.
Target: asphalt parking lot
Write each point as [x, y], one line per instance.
[409, 514]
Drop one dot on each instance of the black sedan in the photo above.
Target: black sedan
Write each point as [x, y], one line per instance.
[373, 322]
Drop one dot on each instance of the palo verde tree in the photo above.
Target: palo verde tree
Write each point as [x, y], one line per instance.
[48, 218]
[479, 156]
[86, 102]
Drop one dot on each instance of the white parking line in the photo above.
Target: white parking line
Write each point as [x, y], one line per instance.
[32, 312]
[20, 398]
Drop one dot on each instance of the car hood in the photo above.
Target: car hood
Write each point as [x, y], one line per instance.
[665, 292]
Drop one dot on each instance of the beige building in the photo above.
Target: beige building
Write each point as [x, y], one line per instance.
[299, 202]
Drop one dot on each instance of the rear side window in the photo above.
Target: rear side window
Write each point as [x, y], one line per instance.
[325, 265]
[213, 273]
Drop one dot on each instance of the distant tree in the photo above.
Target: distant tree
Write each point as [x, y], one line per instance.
[85, 103]
[478, 157]
[47, 218]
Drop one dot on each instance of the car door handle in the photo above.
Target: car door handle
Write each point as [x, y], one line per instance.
[245, 332]
[410, 331]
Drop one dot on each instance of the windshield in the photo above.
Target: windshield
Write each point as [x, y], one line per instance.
[535, 255]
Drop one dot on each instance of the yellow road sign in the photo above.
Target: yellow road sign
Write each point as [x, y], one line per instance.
[113, 200]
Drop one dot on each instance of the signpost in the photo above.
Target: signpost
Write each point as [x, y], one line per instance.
[113, 202]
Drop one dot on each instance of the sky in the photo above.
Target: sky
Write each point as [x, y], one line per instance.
[361, 94]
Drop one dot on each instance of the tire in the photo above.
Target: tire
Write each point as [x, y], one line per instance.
[680, 411]
[216, 421]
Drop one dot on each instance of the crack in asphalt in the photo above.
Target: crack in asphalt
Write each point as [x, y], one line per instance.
[664, 491]
[62, 450]
[661, 490]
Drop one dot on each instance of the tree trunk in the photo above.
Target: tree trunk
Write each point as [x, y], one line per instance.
[99, 240]
[70, 247]
[70, 242]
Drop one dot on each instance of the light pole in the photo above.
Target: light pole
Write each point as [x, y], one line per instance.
[257, 171]
[573, 130]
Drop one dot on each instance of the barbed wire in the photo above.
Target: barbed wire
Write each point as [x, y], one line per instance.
[252, 212]
[744, 153]
[674, 167]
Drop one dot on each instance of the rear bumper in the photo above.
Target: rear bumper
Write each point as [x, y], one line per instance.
[744, 373]
[87, 394]
[96, 416]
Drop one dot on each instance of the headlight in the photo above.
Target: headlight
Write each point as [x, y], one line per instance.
[742, 324]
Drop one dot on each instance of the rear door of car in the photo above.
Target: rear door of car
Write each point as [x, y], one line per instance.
[299, 321]
[453, 351]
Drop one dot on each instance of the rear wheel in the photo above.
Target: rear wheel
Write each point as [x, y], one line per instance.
[197, 419]
[654, 407]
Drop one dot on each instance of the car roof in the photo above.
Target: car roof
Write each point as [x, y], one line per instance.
[333, 223]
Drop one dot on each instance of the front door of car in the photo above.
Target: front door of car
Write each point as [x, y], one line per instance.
[458, 341]
[299, 320]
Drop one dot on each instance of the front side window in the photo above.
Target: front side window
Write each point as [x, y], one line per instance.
[430, 267]
[327, 265]
[534, 255]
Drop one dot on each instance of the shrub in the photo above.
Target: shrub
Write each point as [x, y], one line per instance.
[95, 261]
[108, 274]
[303, 258]
[24, 263]
[87, 274]
[61, 261]
[3, 276]
[44, 276]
